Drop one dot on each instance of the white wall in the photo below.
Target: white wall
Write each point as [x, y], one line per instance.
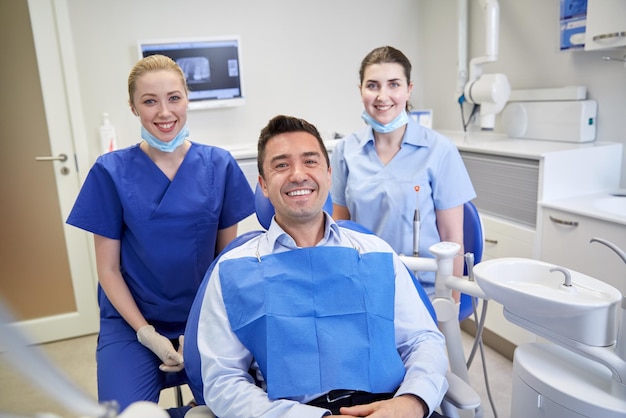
[299, 58]
[529, 55]
[302, 58]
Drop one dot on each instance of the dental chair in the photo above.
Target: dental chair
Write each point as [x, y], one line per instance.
[460, 395]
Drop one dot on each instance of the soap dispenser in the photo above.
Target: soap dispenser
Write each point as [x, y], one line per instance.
[108, 139]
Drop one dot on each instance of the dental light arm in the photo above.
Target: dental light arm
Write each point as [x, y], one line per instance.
[35, 366]
[490, 91]
[31, 362]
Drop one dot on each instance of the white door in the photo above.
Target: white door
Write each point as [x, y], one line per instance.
[46, 268]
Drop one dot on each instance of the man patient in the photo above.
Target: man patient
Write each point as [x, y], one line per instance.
[328, 318]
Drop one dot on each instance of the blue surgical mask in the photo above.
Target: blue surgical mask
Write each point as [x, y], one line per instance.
[398, 122]
[154, 142]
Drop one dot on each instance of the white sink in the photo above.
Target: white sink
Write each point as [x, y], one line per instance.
[536, 299]
[612, 204]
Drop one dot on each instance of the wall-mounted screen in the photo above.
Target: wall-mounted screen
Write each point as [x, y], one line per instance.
[212, 67]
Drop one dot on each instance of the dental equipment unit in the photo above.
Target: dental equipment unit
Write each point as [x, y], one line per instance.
[489, 91]
[581, 371]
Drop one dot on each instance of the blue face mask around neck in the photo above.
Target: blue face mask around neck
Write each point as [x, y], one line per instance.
[398, 122]
[154, 142]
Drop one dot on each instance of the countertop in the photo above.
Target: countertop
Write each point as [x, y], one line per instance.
[483, 142]
[500, 144]
[571, 172]
[603, 206]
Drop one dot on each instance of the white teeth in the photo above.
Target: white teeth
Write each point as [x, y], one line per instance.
[167, 125]
[299, 193]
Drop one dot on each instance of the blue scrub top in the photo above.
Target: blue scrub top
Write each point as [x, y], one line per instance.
[167, 228]
[383, 198]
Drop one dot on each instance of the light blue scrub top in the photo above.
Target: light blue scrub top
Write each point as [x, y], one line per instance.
[383, 198]
[167, 229]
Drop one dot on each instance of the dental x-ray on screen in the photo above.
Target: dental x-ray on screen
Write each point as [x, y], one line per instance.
[212, 67]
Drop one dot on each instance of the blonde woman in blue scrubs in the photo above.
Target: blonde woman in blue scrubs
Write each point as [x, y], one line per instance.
[160, 211]
[375, 171]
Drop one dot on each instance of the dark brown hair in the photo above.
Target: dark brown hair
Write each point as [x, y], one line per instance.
[386, 54]
[283, 124]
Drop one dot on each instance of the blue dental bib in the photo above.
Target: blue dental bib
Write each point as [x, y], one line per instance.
[316, 319]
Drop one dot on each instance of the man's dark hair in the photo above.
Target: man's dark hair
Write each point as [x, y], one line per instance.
[283, 124]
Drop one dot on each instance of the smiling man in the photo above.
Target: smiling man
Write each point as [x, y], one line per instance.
[328, 318]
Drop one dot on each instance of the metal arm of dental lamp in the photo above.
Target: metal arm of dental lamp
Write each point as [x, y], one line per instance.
[489, 91]
[30, 361]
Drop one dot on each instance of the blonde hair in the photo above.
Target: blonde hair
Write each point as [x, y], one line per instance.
[149, 64]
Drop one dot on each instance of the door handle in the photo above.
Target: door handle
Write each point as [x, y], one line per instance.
[60, 157]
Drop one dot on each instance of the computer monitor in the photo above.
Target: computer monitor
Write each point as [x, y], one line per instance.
[212, 67]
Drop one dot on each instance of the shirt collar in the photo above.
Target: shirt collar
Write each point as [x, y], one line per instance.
[277, 238]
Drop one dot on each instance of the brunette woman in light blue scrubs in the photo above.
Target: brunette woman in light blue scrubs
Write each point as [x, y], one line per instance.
[375, 171]
[160, 211]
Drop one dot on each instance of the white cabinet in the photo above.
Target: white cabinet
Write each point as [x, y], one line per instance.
[512, 177]
[506, 239]
[507, 189]
[565, 241]
[552, 381]
[606, 24]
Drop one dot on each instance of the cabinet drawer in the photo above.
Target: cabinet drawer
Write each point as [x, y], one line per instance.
[505, 239]
[606, 24]
[565, 241]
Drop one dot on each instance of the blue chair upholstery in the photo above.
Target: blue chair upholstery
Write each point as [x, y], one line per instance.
[190, 349]
[473, 242]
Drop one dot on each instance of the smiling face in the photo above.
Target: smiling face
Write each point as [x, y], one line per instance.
[296, 178]
[385, 91]
[160, 100]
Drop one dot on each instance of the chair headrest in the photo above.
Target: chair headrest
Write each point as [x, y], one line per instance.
[265, 210]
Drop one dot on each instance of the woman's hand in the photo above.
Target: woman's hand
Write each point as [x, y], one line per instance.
[163, 348]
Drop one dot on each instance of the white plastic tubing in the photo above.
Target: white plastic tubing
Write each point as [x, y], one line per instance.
[491, 13]
[462, 76]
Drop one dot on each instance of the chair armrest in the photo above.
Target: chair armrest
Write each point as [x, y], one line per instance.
[463, 285]
[461, 394]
